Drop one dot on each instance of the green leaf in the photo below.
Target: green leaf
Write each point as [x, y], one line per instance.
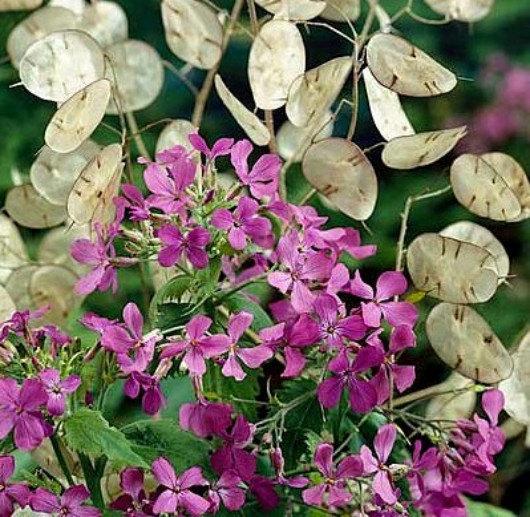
[170, 315]
[86, 431]
[170, 292]
[153, 438]
[239, 302]
[486, 510]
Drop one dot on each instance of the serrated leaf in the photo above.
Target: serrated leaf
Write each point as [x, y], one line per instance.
[239, 302]
[89, 433]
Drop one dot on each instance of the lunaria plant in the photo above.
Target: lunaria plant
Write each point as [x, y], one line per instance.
[289, 362]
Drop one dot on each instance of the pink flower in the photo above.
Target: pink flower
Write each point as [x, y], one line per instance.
[197, 346]
[252, 357]
[133, 502]
[135, 202]
[334, 490]
[176, 490]
[262, 179]
[278, 463]
[205, 418]
[362, 394]
[191, 246]
[243, 223]
[221, 147]
[228, 491]
[11, 493]
[19, 411]
[57, 389]
[382, 482]
[153, 399]
[70, 504]
[389, 284]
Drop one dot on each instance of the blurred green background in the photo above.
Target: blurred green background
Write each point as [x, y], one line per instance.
[466, 50]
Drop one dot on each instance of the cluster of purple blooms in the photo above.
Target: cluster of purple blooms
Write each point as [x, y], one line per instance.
[185, 221]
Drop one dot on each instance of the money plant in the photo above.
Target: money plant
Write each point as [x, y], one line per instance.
[267, 372]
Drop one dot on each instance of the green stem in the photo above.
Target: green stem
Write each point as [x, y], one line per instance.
[92, 480]
[61, 459]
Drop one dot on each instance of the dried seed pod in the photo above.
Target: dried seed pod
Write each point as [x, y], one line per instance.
[78, 117]
[451, 406]
[341, 10]
[19, 5]
[293, 141]
[17, 286]
[96, 182]
[193, 32]
[250, 123]
[491, 185]
[516, 388]
[405, 69]
[175, 133]
[60, 64]
[28, 208]
[136, 73]
[53, 174]
[451, 270]
[386, 109]
[464, 341]
[37, 25]
[76, 6]
[106, 22]
[293, 9]
[479, 236]
[13, 253]
[7, 305]
[462, 10]
[409, 152]
[340, 171]
[312, 94]
[277, 58]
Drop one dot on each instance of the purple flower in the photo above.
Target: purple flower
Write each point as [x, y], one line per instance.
[252, 357]
[205, 418]
[262, 179]
[228, 491]
[19, 412]
[134, 350]
[57, 389]
[383, 444]
[243, 223]
[176, 490]
[263, 490]
[362, 394]
[350, 242]
[221, 147]
[153, 398]
[10, 493]
[135, 202]
[70, 504]
[334, 326]
[191, 246]
[389, 284]
[133, 502]
[278, 463]
[333, 491]
[197, 346]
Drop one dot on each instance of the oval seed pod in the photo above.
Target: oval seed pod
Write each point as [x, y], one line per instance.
[60, 64]
[19, 5]
[78, 117]
[341, 10]
[37, 25]
[136, 73]
[516, 388]
[453, 271]
[293, 141]
[409, 152]
[28, 208]
[7, 305]
[53, 174]
[452, 406]
[13, 253]
[250, 123]
[106, 22]
[312, 94]
[479, 236]
[293, 9]
[462, 10]
[277, 58]
[489, 187]
[76, 6]
[463, 340]
[340, 171]
[94, 184]
[405, 69]
[175, 133]
[193, 32]
[386, 109]
[17, 286]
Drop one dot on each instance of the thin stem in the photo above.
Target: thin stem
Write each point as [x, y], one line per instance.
[133, 126]
[443, 388]
[308, 196]
[56, 445]
[204, 93]
[182, 76]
